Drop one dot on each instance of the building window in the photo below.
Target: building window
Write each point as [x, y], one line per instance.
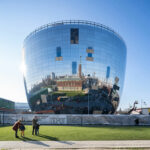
[74, 37]
[108, 72]
[90, 52]
[90, 47]
[58, 52]
[74, 67]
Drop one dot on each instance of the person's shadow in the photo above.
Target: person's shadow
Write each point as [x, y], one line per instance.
[29, 140]
[33, 141]
[54, 139]
[48, 137]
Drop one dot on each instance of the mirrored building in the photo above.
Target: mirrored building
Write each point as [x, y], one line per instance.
[74, 67]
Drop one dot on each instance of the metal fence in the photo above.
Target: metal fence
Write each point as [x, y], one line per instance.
[51, 119]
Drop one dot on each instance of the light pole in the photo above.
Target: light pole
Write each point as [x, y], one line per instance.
[88, 102]
[143, 102]
[51, 92]
[51, 98]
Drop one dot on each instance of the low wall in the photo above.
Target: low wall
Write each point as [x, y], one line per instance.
[51, 119]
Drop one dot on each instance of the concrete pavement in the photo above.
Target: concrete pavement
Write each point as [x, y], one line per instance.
[39, 145]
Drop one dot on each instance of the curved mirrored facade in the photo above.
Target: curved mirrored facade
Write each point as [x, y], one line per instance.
[74, 67]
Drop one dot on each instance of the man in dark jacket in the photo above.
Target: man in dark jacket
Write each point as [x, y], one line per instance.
[16, 127]
[34, 123]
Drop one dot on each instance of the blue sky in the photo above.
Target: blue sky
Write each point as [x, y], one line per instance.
[130, 18]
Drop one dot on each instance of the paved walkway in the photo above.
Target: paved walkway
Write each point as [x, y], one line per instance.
[39, 145]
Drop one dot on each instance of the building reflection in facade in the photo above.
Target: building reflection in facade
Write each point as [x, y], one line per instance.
[74, 67]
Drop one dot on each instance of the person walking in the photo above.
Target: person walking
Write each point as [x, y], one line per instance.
[16, 127]
[34, 123]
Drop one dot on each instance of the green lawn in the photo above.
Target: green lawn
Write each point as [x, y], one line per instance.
[68, 133]
[70, 93]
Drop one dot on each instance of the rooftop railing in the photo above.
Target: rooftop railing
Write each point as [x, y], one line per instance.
[64, 22]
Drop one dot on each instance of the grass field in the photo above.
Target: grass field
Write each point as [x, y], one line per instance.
[76, 133]
[70, 93]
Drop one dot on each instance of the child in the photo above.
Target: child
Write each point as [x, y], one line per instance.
[22, 128]
[37, 129]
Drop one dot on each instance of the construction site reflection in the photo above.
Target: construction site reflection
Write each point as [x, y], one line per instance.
[75, 95]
